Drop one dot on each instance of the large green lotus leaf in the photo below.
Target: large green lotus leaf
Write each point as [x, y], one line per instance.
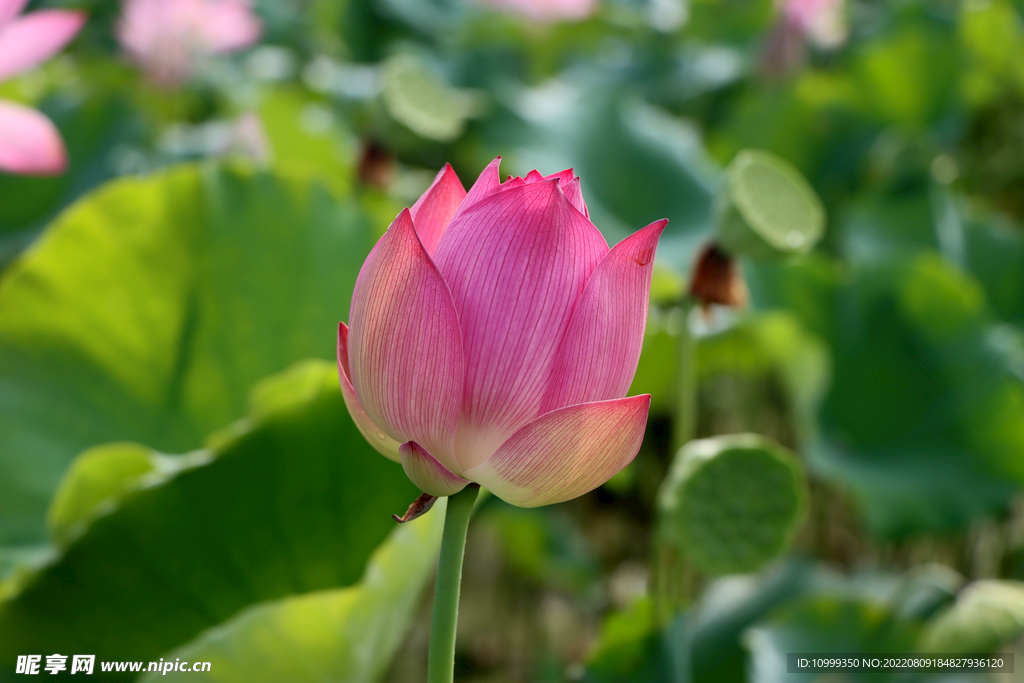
[924, 414]
[901, 225]
[994, 253]
[291, 500]
[827, 622]
[988, 615]
[924, 422]
[150, 308]
[726, 608]
[738, 628]
[347, 634]
[628, 648]
[916, 94]
[299, 139]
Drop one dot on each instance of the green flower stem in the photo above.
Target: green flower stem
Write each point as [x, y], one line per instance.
[441, 661]
[673, 580]
[684, 427]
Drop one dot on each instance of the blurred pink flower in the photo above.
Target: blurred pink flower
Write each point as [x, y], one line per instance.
[493, 336]
[547, 11]
[166, 37]
[29, 142]
[822, 22]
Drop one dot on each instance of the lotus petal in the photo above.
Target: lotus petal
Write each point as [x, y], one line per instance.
[486, 184]
[516, 263]
[426, 472]
[10, 9]
[600, 351]
[376, 437]
[29, 142]
[33, 38]
[432, 212]
[574, 194]
[565, 453]
[404, 346]
[564, 177]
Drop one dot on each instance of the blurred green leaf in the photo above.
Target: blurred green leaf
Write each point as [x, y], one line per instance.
[304, 137]
[281, 508]
[926, 411]
[637, 162]
[726, 608]
[917, 93]
[656, 373]
[992, 37]
[886, 226]
[347, 635]
[99, 475]
[826, 623]
[924, 422]
[772, 348]
[987, 616]
[732, 503]
[150, 308]
[541, 545]
[628, 648]
[994, 254]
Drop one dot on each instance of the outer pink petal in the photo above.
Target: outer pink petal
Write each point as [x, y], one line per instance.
[565, 453]
[376, 437]
[513, 182]
[516, 262]
[574, 194]
[486, 184]
[404, 347]
[601, 349]
[34, 38]
[427, 473]
[563, 176]
[10, 9]
[434, 210]
[29, 142]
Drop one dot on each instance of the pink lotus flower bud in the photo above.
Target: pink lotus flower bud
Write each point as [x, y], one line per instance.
[29, 142]
[819, 21]
[493, 337]
[166, 37]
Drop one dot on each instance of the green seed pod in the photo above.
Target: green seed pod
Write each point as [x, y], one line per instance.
[766, 209]
[987, 615]
[419, 100]
[733, 503]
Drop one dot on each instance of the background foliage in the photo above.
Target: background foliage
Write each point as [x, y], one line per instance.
[180, 478]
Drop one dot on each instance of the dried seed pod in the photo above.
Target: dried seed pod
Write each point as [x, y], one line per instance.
[717, 279]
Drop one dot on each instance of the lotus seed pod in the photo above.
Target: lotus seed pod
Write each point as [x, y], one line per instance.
[733, 503]
[766, 209]
[987, 615]
[419, 100]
